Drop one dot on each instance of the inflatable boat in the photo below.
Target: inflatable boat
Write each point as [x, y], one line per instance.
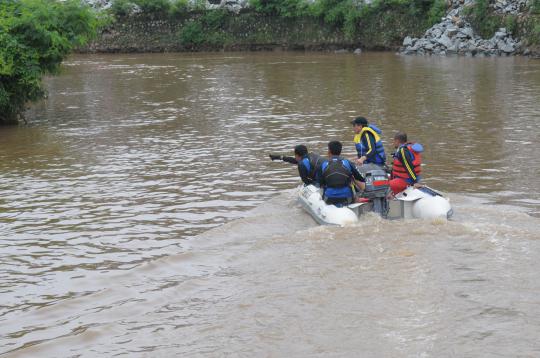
[422, 203]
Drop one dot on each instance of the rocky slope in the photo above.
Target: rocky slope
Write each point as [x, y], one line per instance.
[454, 35]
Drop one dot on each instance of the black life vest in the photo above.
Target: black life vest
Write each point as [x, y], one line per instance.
[336, 173]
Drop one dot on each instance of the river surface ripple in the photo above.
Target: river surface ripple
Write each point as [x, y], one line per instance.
[140, 216]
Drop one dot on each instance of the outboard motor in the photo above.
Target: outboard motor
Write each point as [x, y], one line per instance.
[377, 187]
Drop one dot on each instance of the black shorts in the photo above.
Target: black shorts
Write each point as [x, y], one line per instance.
[338, 201]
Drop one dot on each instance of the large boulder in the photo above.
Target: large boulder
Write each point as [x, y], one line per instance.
[445, 41]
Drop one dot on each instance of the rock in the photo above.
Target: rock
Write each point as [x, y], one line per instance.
[501, 34]
[445, 41]
[452, 49]
[467, 32]
[341, 51]
[507, 48]
[408, 41]
[454, 35]
[358, 51]
[451, 31]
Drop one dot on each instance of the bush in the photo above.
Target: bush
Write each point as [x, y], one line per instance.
[484, 22]
[214, 19]
[511, 23]
[179, 8]
[36, 35]
[198, 5]
[437, 10]
[333, 12]
[532, 30]
[154, 7]
[122, 8]
[535, 7]
[283, 8]
[206, 30]
[192, 34]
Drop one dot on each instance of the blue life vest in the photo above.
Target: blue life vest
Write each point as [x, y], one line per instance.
[362, 146]
[312, 162]
[337, 173]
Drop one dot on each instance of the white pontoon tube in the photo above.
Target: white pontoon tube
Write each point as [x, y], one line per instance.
[311, 199]
[422, 203]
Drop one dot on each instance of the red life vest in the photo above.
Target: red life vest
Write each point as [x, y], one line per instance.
[400, 171]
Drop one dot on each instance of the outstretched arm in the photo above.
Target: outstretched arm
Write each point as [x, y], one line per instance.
[291, 160]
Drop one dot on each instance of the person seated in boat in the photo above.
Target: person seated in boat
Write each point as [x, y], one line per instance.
[309, 164]
[337, 177]
[407, 165]
[367, 140]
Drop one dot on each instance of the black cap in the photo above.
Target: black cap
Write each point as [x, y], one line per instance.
[360, 121]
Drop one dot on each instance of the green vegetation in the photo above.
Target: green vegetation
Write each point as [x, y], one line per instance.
[533, 29]
[486, 22]
[156, 8]
[179, 8]
[346, 16]
[535, 7]
[282, 8]
[122, 8]
[483, 20]
[35, 36]
[207, 30]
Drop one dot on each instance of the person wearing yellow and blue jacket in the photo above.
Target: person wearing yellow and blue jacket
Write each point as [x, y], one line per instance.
[368, 143]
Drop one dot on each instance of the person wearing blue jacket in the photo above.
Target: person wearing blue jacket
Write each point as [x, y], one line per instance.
[309, 164]
[368, 143]
[337, 177]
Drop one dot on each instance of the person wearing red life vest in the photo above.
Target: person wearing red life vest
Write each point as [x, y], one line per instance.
[407, 165]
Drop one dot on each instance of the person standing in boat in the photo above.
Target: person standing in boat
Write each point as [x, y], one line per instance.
[367, 140]
[337, 177]
[309, 164]
[407, 165]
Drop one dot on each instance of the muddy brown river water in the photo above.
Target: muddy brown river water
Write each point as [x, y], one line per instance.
[140, 215]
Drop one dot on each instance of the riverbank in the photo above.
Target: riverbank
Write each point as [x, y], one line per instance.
[468, 28]
[250, 31]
